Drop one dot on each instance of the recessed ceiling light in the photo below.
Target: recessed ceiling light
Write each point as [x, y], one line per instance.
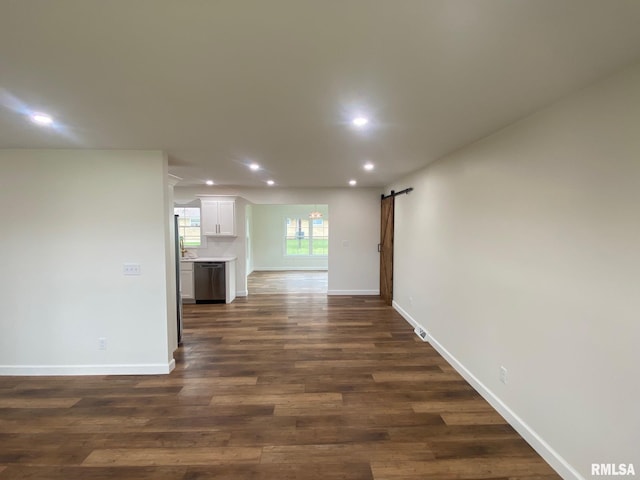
[360, 121]
[270, 182]
[254, 166]
[209, 182]
[41, 119]
[352, 182]
[368, 166]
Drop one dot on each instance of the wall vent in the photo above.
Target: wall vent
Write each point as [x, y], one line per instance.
[422, 334]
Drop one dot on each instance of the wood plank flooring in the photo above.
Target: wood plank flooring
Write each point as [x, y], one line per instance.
[289, 281]
[272, 387]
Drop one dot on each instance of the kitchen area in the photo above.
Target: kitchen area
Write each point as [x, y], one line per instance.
[205, 238]
[208, 279]
[244, 236]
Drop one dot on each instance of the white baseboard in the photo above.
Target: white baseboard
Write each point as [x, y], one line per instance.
[49, 370]
[406, 315]
[242, 293]
[553, 458]
[353, 292]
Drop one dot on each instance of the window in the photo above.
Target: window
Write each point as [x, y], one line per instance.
[307, 237]
[189, 225]
[320, 239]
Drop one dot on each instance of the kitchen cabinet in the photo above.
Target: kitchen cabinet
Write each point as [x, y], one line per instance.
[218, 218]
[186, 282]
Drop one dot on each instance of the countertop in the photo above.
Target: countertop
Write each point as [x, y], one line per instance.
[208, 259]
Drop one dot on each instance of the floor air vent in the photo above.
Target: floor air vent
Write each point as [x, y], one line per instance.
[422, 334]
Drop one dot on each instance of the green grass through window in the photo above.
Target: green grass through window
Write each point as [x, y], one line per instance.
[297, 246]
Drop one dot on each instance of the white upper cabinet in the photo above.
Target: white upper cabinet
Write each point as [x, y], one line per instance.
[218, 218]
[227, 217]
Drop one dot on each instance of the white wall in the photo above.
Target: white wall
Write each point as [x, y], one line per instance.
[523, 250]
[248, 250]
[71, 219]
[355, 229]
[268, 238]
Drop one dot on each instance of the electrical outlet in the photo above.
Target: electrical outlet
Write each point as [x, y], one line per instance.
[503, 375]
[410, 300]
[102, 343]
[131, 269]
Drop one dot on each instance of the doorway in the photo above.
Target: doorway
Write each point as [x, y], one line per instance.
[385, 247]
[289, 249]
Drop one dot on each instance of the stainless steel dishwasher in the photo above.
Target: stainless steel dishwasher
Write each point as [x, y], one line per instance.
[209, 282]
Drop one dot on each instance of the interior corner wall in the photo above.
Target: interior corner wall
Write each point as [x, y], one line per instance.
[249, 236]
[71, 219]
[170, 253]
[522, 251]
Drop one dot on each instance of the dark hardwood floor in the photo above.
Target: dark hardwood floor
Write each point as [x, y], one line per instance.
[303, 387]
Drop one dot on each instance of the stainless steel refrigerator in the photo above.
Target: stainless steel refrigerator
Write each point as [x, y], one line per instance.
[178, 295]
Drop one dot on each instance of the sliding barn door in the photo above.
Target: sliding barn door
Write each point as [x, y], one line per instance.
[386, 249]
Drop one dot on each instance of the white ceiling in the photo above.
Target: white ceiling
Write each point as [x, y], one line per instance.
[219, 83]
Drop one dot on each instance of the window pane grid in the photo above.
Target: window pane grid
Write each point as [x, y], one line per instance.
[306, 237]
[189, 225]
[320, 246]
